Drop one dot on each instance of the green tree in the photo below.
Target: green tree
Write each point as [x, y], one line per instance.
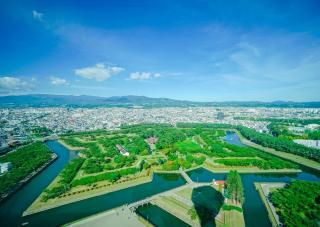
[235, 187]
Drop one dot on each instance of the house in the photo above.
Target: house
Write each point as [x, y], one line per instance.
[5, 167]
[219, 182]
[122, 150]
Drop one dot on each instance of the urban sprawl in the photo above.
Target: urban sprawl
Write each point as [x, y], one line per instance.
[25, 124]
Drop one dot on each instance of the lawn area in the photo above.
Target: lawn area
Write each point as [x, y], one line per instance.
[185, 193]
[188, 146]
[233, 218]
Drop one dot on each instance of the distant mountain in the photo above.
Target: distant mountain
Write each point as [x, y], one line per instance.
[45, 100]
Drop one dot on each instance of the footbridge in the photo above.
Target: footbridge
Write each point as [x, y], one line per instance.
[185, 176]
[133, 206]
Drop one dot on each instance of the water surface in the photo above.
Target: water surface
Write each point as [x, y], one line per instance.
[11, 210]
[159, 217]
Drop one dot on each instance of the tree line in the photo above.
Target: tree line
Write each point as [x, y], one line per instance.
[24, 161]
[298, 203]
[280, 144]
[234, 187]
[65, 178]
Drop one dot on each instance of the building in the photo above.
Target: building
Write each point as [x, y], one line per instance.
[5, 167]
[122, 150]
[220, 182]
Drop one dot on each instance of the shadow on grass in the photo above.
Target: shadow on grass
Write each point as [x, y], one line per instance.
[207, 202]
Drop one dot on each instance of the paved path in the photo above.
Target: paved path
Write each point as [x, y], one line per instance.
[121, 216]
[186, 176]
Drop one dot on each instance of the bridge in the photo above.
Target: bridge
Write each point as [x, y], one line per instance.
[133, 206]
[185, 176]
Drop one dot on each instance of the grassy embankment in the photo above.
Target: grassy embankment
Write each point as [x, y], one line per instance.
[84, 192]
[176, 208]
[70, 147]
[244, 169]
[291, 157]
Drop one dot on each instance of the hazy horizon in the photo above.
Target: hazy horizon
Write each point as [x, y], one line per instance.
[213, 101]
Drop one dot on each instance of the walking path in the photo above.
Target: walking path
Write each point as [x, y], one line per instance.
[185, 176]
[121, 216]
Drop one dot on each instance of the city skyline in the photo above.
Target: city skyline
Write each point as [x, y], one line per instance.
[208, 51]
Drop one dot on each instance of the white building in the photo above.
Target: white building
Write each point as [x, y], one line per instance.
[309, 143]
[122, 150]
[4, 167]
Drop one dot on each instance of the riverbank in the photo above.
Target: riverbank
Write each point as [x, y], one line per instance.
[264, 190]
[291, 157]
[102, 188]
[28, 178]
[70, 147]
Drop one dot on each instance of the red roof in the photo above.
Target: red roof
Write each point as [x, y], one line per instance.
[220, 181]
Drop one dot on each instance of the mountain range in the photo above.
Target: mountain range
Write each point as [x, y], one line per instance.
[47, 100]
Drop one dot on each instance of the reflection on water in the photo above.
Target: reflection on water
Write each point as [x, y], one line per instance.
[233, 138]
[254, 210]
[207, 202]
[159, 217]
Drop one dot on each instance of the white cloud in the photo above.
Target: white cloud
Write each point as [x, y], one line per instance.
[144, 75]
[99, 72]
[37, 15]
[58, 81]
[9, 84]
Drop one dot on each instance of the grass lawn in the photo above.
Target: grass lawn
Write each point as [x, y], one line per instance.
[185, 193]
[233, 218]
[187, 146]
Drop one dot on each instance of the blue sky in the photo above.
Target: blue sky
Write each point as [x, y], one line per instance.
[194, 50]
